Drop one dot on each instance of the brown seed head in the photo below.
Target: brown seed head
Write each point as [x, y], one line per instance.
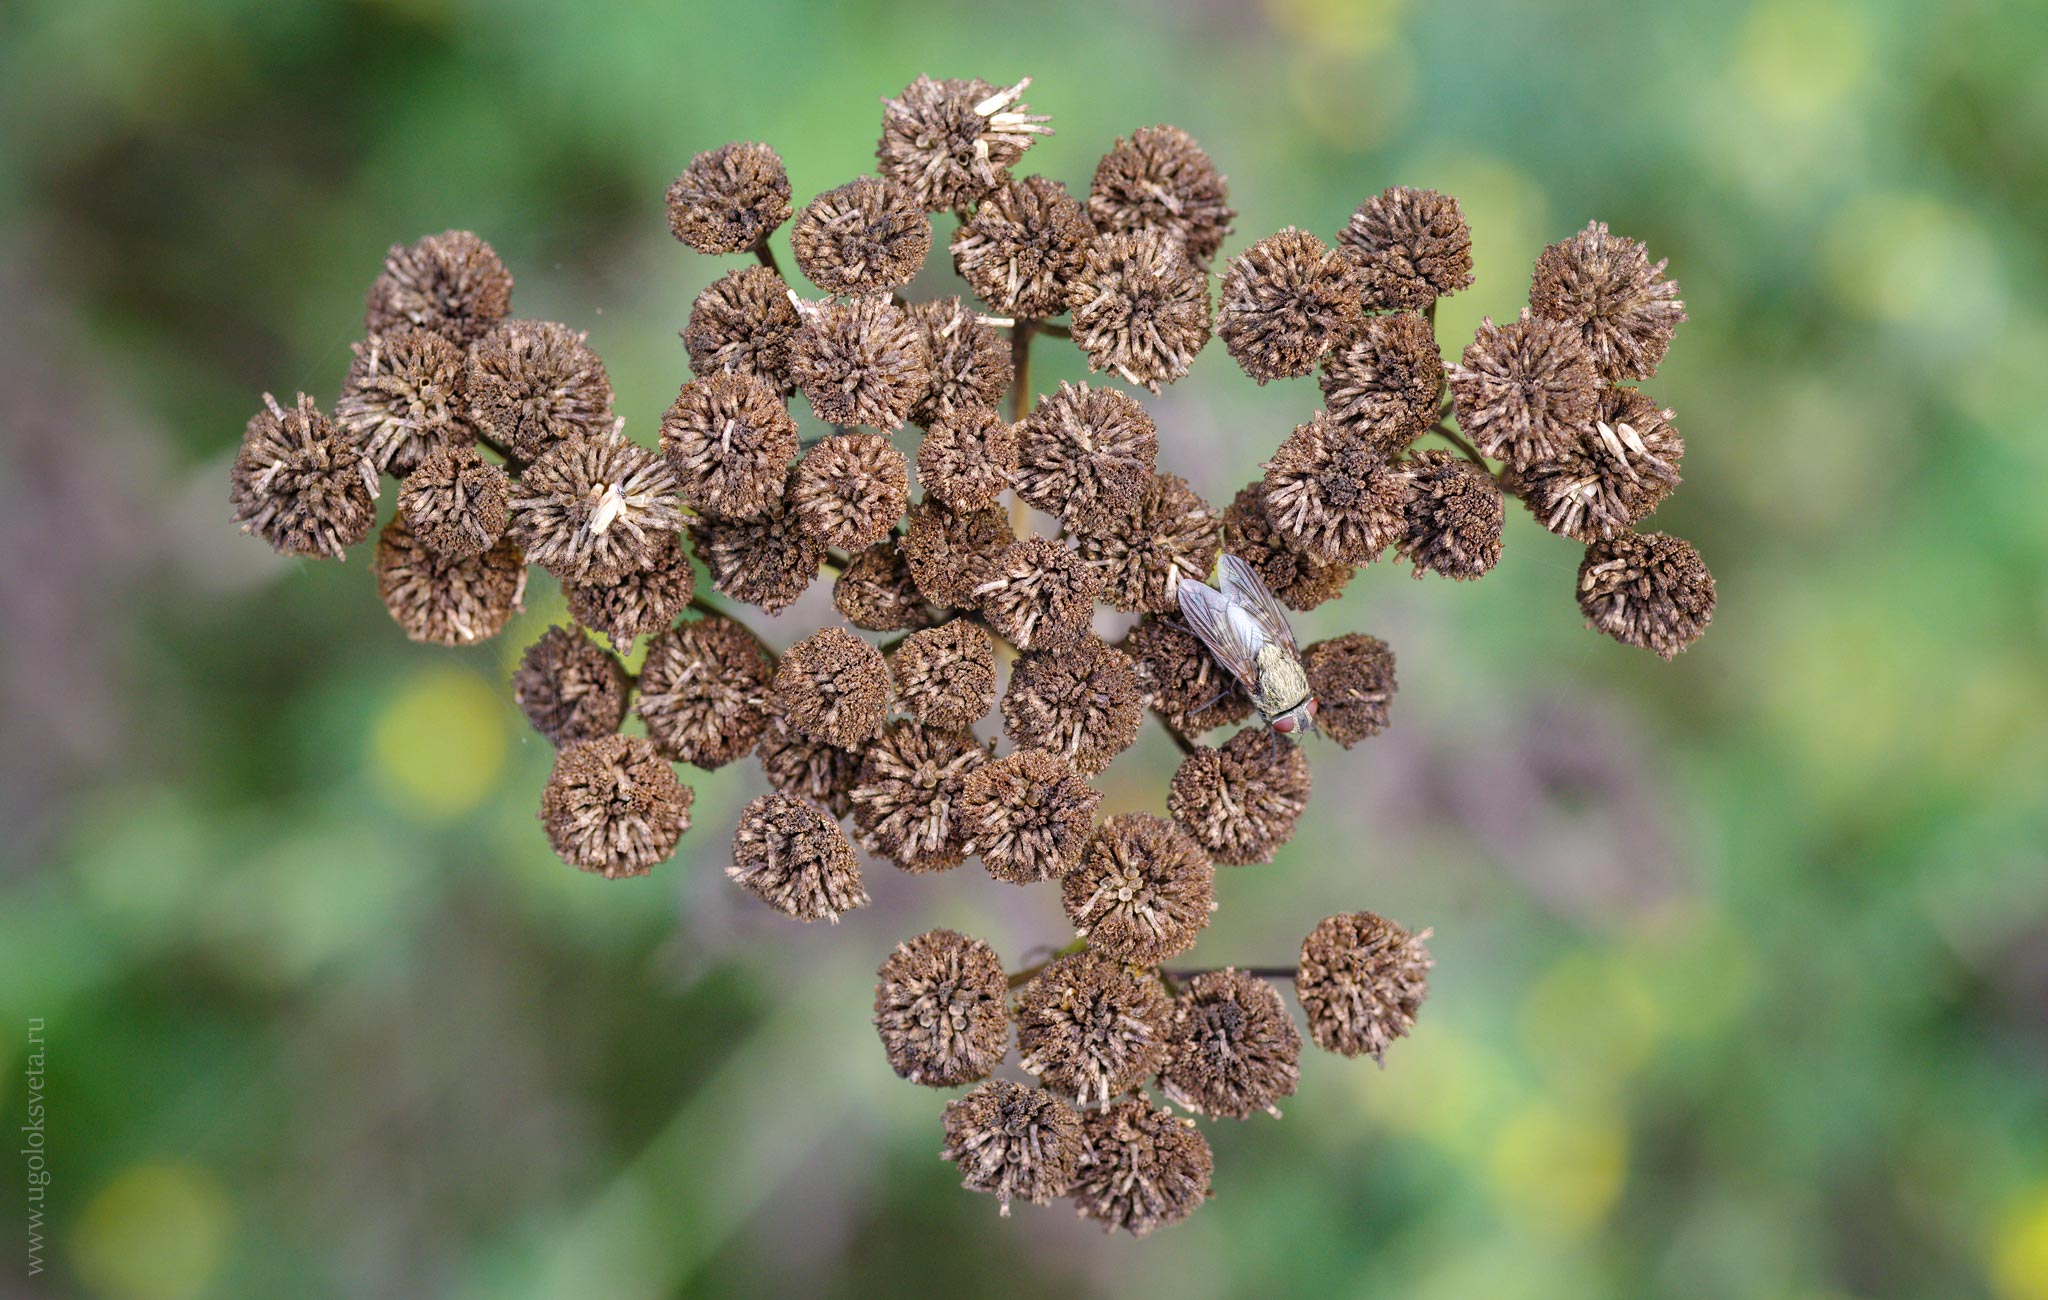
[729, 440]
[1606, 286]
[1181, 680]
[1143, 556]
[1028, 815]
[1454, 516]
[1392, 368]
[795, 859]
[729, 198]
[833, 687]
[947, 143]
[1352, 677]
[1160, 179]
[299, 484]
[875, 590]
[641, 602]
[442, 601]
[1300, 580]
[1141, 307]
[946, 675]
[1143, 1168]
[968, 459]
[531, 384]
[1233, 1048]
[1014, 1142]
[1332, 494]
[807, 769]
[865, 237]
[1412, 247]
[850, 490]
[1361, 980]
[907, 802]
[594, 508]
[614, 807]
[1038, 594]
[743, 323]
[942, 1007]
[702, 691]
[1241, 802]
[451, 284]
[1086, 455]
[1090, 1027]
[1623, 466]
[1647, 589]
[1287, 300]
[861, 362]
[1525, 390]
[402, 398]
[1023, 246]
[766, 560]
[951, 553]
[970, 362]
[1143, 890]
[1080, 702]
[456, 502]
[569, 688]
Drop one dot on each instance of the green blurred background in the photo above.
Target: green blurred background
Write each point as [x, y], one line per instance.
[1743, 960]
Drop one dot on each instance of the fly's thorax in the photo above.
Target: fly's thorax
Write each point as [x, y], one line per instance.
[1282, 684]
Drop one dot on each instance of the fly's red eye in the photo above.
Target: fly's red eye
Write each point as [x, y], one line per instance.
[1283, 725]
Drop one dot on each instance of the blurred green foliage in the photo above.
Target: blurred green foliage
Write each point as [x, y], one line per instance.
[1743, 960]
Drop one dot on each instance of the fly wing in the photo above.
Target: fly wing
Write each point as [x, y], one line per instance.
[1244, 589]
[1231, 634]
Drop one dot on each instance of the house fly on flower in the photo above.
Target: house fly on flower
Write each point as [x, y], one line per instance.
[1247, 631]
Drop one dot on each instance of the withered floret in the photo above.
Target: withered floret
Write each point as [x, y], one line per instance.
[1038, 594]
[532, 384]
[1361, 980]
[451, 284]
[1298, 579]
[906, 804]
[1412, 247]
[765, 560]
[729, 199]
[1287, 300]
[1232, 1049]
[1331, 493]
[1352, 678]
[639, 602]
[613, 806]
[1647, 589]
[1141, 307]
[808, 769]
[570, 689]
[402, 399]
[299, 484]
[1086, 455]
[1143, 889]
[833, 687]
[942, 1009]
[1014, 1142]
[702, 691]
[456, 502]
[946, 675]
[950, 553]
[1620, 469]
[948, 142]
[1143, 1168]
[875, 590]
[1029, 816]
[861, 362]
[1525, 390]
[743, 323]
[1392, 368]
[1453, 517]
[867, 236]
[442, 601]
[850, 490]
[1181, 680]
[795, 859]
[1606, 286]
[729, 440]
[593, 508]
[967, 459]
[1080, 702]
[1241, 802]
[1090, 1027]
[1023, 247]
[1160, 179]
[1142, 556]
[971, 367]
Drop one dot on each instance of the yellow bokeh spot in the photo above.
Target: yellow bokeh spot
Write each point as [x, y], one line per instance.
[1590, 1021]
[156, 1232]
[1800, 60]
[1344, 26]
[1437, 1085]
[1510, 220]
[1558, 1169]
[439, 743]
[2019, 1257]
[1354, 102]
[1912, 259]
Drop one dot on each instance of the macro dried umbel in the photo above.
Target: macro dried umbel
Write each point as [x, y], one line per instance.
[501, 436]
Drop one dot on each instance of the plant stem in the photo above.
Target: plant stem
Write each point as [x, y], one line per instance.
[1466, 449]
[1020, 361]
[1182, 974]
[1053, 330]
[1023, 977]
[766, 254]
[1186, 746]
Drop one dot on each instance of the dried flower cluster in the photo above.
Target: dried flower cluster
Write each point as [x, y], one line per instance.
[501, 436]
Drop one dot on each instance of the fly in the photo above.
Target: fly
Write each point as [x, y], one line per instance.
[1247, 631]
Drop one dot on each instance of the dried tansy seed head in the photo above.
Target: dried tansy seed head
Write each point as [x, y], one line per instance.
[861, 362]
[1622, 467]
[1086, 455]
[1029, 815]
[1090, 1027]
[1287, 300]
[1143, 890]
[1331, 493]
[1014, 1142]
[451, 284]
[946, 675]
[795, 859]
[456, 502]
[867, 236]
[1038, 594]
[729, 440]
[1142, 556]
[702, 691]
[1361, 980]
[1233, 1048]
[907, 802]
[569, 689]
[942, 1009]
[1412, 247]
[765, 560]
[833, 687]
[1647, 589]
[594, 508]
[729, 198]
[1453, 518]
[1080, 702]
[299, 484]
[1141, 307]
[402, 398]
[1606, 286]
[968, 458]
[1392, 368]
[614, 807]
[875, 591]
[849, 491]
[743, 323]
[1143, 1168]
[1353, 680]
[951, 553]
[946, 143]
[1525, 390]
[1181, 680]
[1241, 802]
[1160, 179]
[1300, 580]
[640, 602]
[532, 384]
[443, 601]
[808, 769]
[970, 362]
[1023, 247]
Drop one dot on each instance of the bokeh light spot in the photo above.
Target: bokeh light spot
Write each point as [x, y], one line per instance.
[1347, 26]
[1560, 1169]
[1800, 60]
[156, 1232]
[1915, 261]
[2019, 1260]
[439, 743]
